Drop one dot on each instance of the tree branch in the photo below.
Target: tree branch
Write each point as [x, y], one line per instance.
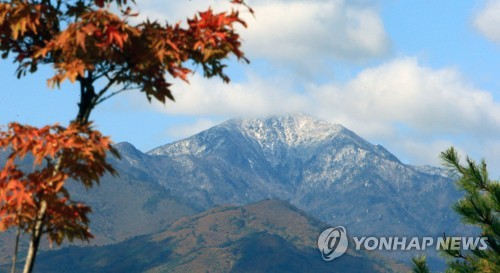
[116, 93]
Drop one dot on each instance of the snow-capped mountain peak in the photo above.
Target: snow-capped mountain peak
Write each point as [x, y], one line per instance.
[291, 130]
[270, 133]
[321, 167]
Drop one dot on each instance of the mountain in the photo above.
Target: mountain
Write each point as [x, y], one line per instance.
[268, 236]
[321, 168]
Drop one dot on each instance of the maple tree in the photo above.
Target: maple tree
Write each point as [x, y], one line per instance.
[105, 54]
[38, 202]
[99, 44]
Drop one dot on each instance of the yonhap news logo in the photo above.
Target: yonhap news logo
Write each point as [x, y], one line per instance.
[333, 242]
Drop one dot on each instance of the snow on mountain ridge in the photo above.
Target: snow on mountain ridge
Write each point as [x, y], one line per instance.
[270, 133]
[291, 130]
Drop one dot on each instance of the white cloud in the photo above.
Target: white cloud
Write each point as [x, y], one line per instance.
[213, 97]
[303, 31]
[295, 33]
[187, 130]
[413, 110]
[425, 100]
[487, 21]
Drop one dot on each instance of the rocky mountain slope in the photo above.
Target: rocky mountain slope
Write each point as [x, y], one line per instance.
[322, 168]
[268, 236]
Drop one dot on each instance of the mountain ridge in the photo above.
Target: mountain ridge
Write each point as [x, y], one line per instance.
[338, 178]
[267, 236]
[291, 129]
[246, 160]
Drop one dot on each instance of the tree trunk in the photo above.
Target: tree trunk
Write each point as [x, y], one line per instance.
[88, 99]
[35, 238]
[16, 248]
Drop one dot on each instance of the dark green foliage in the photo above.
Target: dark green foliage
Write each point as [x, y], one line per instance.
[420, 265]
[480, 207]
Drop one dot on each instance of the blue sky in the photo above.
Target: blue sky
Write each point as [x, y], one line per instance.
[415, 76]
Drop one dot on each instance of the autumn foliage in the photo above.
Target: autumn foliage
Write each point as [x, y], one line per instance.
[99, 44]
[22, 193]
[88, 43]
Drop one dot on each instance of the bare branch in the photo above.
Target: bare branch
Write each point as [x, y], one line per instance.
[126, 88]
